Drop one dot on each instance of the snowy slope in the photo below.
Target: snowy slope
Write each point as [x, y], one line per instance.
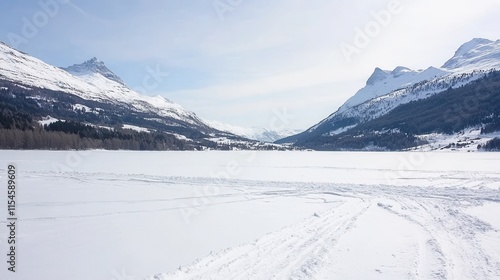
[381, 105]
[21, 68]
[467, 140]
[254, 133]
[385, 90]
[381, 82]
[476, 54]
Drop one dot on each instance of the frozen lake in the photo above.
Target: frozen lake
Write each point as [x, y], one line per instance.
[253, 215]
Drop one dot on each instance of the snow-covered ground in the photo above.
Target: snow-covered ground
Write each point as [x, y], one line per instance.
[48, 120]
[467, 140]
[254, 215]
[136, 128]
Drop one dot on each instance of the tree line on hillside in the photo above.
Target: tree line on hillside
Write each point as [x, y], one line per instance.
[18, 130]
[492, 145]
[20, 107]
[76, 136]
[370, 140]
[71, 135]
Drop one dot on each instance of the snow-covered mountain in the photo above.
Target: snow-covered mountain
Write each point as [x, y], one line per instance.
[476, 54]
[90, 80]
[93, 66]
[90, 93]
[254, 133]
[386, 90]
[383, 81]
[94, 82]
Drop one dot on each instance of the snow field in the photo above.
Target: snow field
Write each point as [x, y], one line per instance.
[255, 215]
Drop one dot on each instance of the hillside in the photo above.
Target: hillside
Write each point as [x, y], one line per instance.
[92, 95]
[473, 105]
[386, 91]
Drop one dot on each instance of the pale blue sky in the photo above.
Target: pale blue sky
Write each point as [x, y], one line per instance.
[241, 65]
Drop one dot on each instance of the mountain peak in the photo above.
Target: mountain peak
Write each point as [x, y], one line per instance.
[477, 53]
[378, 75]
[466, 47]
[93, 66]
[400, 70]
[94, 60]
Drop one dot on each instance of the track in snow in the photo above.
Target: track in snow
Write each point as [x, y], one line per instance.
[432, 238]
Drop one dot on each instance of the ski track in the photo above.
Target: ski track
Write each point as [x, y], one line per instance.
[298, 250]
[450, 247]
[453, 236]
[449, 251]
